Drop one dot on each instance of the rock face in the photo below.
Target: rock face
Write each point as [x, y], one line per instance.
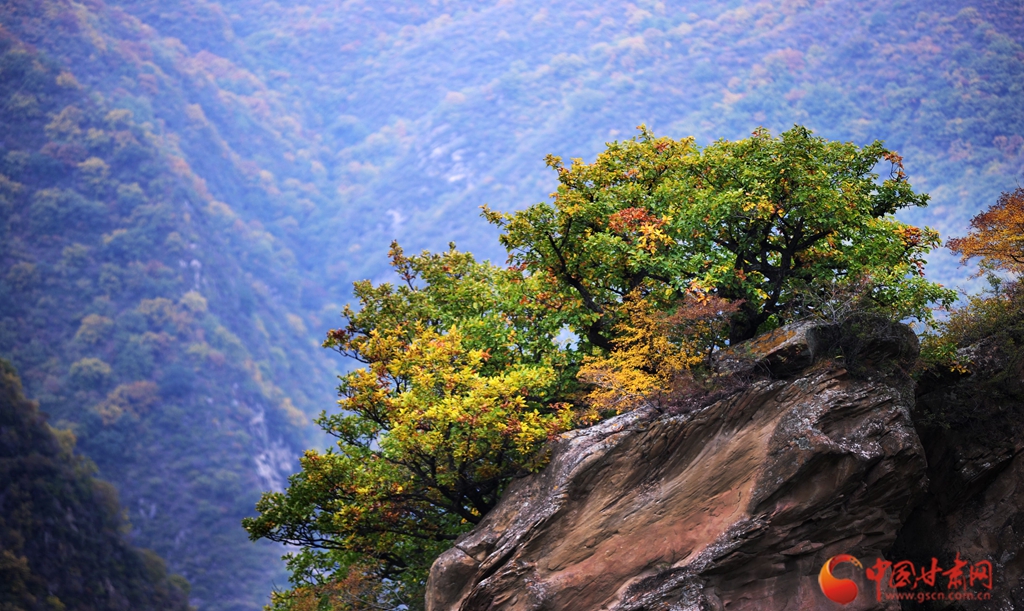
[972, 429]
[734, 505]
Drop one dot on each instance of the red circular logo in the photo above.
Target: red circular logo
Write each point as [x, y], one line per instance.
[842, 591]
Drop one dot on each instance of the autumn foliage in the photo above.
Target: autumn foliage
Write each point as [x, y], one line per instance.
[767, 222]
[996, 315]
[615, 296]
[655, 355]
[462, 383]
[996, 236]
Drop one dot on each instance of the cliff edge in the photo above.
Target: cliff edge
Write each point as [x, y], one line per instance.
[738, 503]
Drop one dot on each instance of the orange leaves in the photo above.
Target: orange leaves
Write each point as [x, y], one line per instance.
[912, 236]
[631, 219]
[637, 220]
[997, 235]
[896, 160]
[336, 337]
[359, 587]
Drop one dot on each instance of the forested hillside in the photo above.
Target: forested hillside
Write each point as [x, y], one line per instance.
[61, 531]
[418, 112]
[149, 319]
[189, 188]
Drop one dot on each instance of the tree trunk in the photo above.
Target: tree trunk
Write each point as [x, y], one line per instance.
[743, 325]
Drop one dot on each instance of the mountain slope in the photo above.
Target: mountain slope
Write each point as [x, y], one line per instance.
[61, 531]
[146, 317]
[422, 111]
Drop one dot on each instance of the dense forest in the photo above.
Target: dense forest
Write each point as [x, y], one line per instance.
[62, 531]
[188, 189]
[418, 112]
[144, 316]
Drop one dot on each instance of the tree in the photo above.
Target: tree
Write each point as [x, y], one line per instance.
[996, 235]
[762, 221]
[995, 315]
[643, 255]
[63, 535]
[654, 355]
[461, 384]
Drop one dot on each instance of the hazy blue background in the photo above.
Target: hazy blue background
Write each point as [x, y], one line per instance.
[167, 273]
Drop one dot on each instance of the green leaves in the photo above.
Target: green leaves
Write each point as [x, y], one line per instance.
[642, 254]
[763, 220]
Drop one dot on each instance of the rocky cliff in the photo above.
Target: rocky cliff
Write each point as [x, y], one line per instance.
[972, 429]
[737, 504]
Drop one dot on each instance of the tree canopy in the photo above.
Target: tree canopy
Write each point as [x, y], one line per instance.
[997, 314]
[766, 221]
[996, 235]
[463, 381]
[63, 542]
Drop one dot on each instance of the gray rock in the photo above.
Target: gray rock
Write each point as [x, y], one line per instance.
[972, 429]
[735, 505]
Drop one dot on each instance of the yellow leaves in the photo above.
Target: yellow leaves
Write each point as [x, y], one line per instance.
[160, 312]
[66, 125]
[135, 399]
[118, 119]
[193, 302]
[67, 80]
[294, 414]
[643, 363]
[94, 171]
[640, 225]
[447, 404]
[652, 238]
[911, 236]
[94, 328]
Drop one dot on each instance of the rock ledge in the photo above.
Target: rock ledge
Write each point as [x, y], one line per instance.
[735, 505]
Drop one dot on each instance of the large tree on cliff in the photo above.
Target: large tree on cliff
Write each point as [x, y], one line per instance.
[463, 376]
[463, 380]
[769, 221]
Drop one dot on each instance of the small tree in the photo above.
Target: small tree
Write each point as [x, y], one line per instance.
[762, 221]
[996, 235]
